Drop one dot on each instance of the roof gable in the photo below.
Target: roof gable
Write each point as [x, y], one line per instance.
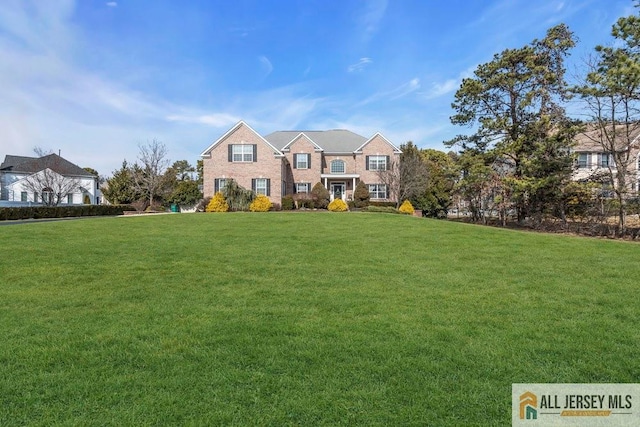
[378, 134]
[302, 135]
[240, 124]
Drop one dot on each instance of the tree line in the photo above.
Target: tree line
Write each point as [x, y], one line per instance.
[518, 163]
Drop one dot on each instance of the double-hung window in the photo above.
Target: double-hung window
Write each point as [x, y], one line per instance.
[261, 186]
[378, 191]
[219, 184]
[605, 160]
[583, 160]
[23, 196]
[242, 153]
[302, 161]
[302, 187]
[377, 163]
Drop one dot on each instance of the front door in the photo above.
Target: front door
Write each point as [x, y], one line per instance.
[337, 190]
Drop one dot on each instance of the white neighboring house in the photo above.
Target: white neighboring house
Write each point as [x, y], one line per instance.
[47, 180]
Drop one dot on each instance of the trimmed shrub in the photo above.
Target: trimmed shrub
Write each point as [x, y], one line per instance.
[217, 204]
[383, 209]
[338, 205]
[383, 204]
[260, 204]
[287, 203]
[406, 208]
[320, 196]
[36, 212]
[361, 195]
[305, 203]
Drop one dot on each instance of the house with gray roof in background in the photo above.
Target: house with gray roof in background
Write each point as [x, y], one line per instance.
[292, 162]
[47, 180]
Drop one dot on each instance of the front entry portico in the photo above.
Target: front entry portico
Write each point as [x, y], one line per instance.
[340, 185]
[338, 190]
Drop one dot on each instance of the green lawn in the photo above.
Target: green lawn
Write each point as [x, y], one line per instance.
[303, 319]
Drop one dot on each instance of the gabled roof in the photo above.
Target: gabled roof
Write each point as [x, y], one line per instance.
[31, 165]
[395, 149]
[301, 134]
[206, 152]
[331, 141]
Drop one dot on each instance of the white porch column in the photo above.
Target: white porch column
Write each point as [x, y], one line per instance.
[325, 183]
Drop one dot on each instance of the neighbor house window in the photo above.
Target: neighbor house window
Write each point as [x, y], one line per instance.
[377, 163]
[23, 196]
[605, 160]
[337, 166]
[261, 186]
[302, 161]
[35, 197]
[378, 191]
[583, 160]
[69, 199]
[218, 184]
[242, 153]
[302, 187]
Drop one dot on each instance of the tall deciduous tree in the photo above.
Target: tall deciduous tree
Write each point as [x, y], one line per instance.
[148, 175]
[611, 91]
[515, 102]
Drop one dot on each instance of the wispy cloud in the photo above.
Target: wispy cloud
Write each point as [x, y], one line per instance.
[393, 94]
[266, 65]
[112, 4]
[370, 18]
[443, 88]
[217, 120]
[360, 65]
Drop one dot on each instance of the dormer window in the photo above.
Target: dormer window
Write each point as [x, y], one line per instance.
[337, 166]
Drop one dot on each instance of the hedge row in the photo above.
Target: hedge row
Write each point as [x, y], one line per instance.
[35, 212]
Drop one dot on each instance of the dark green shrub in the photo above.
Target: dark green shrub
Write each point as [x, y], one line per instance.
[383, 204]
[361, 195]
[383, 209]
[36, 212]
[305, 203]
[320, 196]
[287, 203]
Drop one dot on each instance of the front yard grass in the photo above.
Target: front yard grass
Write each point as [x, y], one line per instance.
[303, 319]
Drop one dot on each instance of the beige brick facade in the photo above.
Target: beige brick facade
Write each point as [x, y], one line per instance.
[278, 163]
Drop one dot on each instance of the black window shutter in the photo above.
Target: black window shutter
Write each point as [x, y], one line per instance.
[366, 163]
[253, 185]
[295, 161]
[294, 188]
[268, 187]
[308, 161]
[230, 146]
[216, 185]
[386, 167]
[255, 152]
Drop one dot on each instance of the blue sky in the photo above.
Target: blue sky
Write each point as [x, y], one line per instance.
[95, 79]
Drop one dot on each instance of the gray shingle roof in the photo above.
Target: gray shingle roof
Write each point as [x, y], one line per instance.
[331, 141]
[21, 164]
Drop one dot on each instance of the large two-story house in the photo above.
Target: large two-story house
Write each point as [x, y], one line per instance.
[292, 162]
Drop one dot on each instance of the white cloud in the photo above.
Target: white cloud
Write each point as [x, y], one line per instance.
[360, 65]
[443, 88]
[112, 4]
[265, 64]
[212, 119]
[393, 94]
[369, 20]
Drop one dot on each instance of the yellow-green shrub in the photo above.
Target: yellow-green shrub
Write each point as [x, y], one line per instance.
[260, 204]
[338, 205]
[406, 208]
[217, 204]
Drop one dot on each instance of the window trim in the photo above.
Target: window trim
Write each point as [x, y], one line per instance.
[242, 153]
[337, 162]
[307, 160]
[377, 160]
[375, 190]
[297, 188]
